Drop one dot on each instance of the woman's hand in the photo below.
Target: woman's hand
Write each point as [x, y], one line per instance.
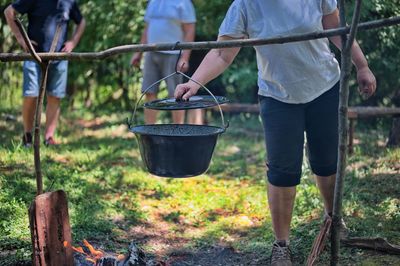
[186, 90]
[213, 64]
[366, 82]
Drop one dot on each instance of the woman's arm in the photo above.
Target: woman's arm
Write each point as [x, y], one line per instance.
[332, 21]
[365, 77]
[213, 64]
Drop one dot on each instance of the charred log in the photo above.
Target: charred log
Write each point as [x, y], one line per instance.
[49, 224]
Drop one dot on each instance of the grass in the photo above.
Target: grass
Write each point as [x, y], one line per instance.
[113, 200]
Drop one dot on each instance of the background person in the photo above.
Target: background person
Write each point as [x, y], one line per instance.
[198, 116]
[43, 17]
[298, 91]
[167, 21]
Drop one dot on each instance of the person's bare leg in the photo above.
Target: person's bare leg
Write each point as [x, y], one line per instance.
[326, 185]
[150, 116]
[281, 201]
[28, 113]
[178, 117]
[195, 116]
[52, 115]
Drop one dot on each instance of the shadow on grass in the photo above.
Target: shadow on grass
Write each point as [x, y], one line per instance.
[218, 255]
[377, 206]
[69, 127]
[110, 152]
[95, 143]
[104, 207]
[246, 246]
[371, 190]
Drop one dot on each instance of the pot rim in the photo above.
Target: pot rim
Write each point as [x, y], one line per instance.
[219, 130]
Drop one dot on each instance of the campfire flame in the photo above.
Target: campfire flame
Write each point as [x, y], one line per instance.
[93, 256]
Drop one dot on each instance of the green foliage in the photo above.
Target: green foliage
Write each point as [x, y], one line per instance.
[381, 49]
[210, 16]
[109, 24]
[112, 23]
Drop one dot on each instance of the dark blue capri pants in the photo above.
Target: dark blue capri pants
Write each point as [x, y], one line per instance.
[284, 127]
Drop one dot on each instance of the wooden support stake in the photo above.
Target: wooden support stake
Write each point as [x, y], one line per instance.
[48, 213]
[347, 43]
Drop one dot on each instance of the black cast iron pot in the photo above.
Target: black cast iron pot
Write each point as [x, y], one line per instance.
[171, 150]
[177, 150]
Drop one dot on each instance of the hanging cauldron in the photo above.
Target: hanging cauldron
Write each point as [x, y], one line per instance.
[178, 150]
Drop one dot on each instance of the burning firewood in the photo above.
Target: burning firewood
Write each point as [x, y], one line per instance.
[90, 256]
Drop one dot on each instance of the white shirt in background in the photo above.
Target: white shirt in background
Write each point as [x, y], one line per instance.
[165, 18]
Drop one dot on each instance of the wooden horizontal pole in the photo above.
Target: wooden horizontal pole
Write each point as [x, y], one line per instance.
[353, 112]
[371, 111]
[8, 57]
[239, 108]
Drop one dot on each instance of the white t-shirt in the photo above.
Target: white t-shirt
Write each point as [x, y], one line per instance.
[295, 72]
[165, 18]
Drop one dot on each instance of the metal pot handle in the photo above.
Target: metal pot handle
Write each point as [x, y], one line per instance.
[133, 118]
[129, 122]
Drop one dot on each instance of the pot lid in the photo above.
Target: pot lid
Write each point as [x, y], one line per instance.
[195, 102]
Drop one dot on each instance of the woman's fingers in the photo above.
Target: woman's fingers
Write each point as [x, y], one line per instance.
[184, 92]
[180, 90]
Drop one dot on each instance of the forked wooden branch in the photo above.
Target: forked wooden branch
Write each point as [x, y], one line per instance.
[27, 41]
[44, 66]
[48, 213]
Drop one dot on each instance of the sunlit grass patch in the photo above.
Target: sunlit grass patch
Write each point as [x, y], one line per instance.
[113, 200]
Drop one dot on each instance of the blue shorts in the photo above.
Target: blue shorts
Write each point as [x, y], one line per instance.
[284, 127]
[56, 79]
